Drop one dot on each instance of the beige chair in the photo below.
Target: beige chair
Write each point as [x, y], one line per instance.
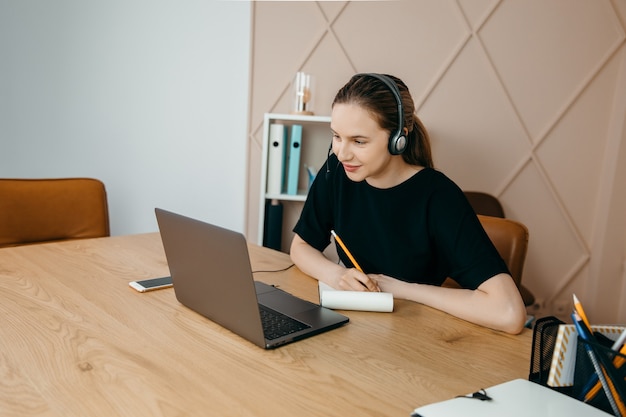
[44, 210]
[488, 205]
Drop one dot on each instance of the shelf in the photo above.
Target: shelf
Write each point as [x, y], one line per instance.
[276, 117]
[316, 136]
[301, 196]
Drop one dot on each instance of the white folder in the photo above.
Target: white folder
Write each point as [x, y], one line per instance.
[517, 398]
[276, 158]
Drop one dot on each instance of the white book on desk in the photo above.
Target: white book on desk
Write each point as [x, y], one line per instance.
[516, 398]
[381, 302]
[276, 158]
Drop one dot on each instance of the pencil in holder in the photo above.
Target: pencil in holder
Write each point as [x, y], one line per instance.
[600, 376]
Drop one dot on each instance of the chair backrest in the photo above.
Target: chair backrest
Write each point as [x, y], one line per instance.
[488, 205]
[484, 203]
[43, 210]
[511, 240]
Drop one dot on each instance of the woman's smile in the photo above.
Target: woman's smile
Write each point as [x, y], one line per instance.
[350, 167]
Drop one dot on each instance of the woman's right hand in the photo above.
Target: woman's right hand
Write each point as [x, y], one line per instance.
[313, 262]
[355, 280]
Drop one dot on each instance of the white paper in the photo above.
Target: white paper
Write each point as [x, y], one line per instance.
[355, 300]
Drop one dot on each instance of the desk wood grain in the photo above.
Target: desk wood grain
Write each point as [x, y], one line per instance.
[75, 340]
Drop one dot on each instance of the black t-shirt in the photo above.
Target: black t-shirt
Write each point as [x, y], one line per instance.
[422, 230]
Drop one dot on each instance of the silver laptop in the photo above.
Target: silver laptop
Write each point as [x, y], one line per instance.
[211, 272]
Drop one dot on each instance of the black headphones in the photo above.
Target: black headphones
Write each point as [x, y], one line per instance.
[397, 141]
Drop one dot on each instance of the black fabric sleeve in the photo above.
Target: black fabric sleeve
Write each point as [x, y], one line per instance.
[464, 248]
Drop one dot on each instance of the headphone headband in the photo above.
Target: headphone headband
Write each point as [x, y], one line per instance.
[397, 141]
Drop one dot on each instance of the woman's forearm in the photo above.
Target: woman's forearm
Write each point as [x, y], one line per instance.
[313, 262]
[495, 304]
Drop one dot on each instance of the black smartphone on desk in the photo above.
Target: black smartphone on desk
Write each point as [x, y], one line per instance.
[151, 284]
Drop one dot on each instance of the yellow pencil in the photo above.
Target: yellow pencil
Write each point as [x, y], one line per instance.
[618, 401]
[346, 251]
[581, 312]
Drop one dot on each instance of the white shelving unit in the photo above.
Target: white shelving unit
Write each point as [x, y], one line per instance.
[316, 137]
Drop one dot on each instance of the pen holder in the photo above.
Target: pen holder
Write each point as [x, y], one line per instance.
[544, 341]
[585, 376]
[545, 334]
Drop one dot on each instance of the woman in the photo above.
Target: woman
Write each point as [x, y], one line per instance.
[407, 225]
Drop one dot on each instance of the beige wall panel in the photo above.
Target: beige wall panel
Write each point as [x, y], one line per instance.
[414, 40]
[477, 139]
[332, 9]
[545, 52]
[575, 166]
[607, 278]
[254, 184]
[331, 70]
[477, 11]
[284, 33]
[620, 7]
[554, 251]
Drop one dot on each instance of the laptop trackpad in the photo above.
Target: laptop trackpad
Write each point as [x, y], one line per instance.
[284, 302]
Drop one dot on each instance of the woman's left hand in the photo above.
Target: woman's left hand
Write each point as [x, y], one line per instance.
[387, 283]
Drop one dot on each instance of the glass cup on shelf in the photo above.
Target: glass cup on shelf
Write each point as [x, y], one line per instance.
[303, 98]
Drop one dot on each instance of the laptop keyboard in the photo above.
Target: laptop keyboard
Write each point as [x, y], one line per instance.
[277, 325]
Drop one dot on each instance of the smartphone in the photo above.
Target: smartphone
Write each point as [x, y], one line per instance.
[151, 284]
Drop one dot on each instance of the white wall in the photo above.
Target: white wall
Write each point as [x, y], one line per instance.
[149, 96]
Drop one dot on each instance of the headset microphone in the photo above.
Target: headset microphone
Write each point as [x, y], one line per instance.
[330, 150]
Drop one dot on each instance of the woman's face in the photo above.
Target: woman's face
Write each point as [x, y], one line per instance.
[360, 144]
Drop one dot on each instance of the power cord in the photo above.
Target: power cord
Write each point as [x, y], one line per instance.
[478, 395]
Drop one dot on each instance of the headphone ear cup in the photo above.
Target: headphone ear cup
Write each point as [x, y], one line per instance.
[397, 144]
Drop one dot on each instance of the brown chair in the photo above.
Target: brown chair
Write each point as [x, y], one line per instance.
[488, 205]
[511, 240]
[484, 203]
[44, 210]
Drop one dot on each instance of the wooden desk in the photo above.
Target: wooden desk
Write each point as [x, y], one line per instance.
[75, 340]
